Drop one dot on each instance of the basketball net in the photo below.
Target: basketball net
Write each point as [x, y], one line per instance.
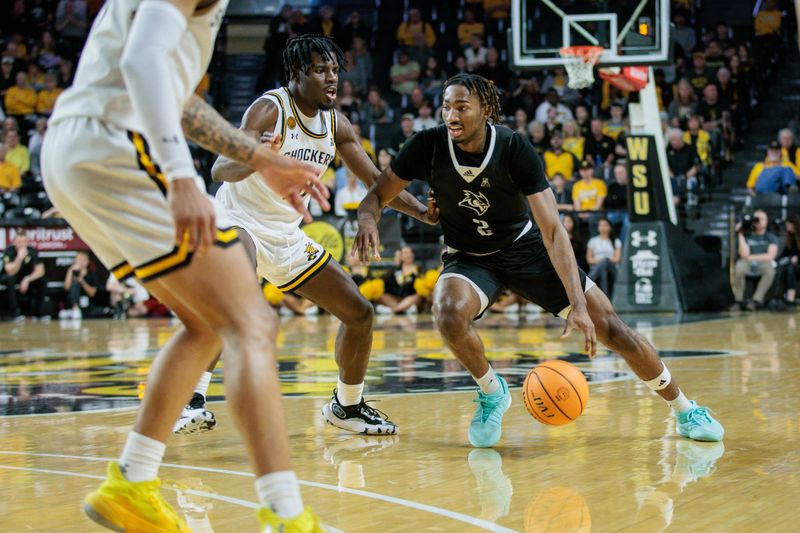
[579, 62]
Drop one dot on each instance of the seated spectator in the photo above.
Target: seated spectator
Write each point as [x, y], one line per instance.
[790, 152]
[20, 100]
[385, 156]
[496, 9]
[35, 77]
[354, 73]
[557, 160]
[35, 145]
[432, 80]
[7, 76]
[80, 285]
[46, 98]
[525, 96]
[552, 99]
[71, 23]
[376, 110]
[758, 249]
[469, 27]
[10, 179]
[684, 104]
[603, 254]
[789, 261]
[425, 119]
[599, 147]
[583, 119]
[459, 66]
[616, 125]
[406, 131]
[521, 123]
[17, 154]
[575, 239]
[23, 276]
[714, 58]
[699, 139]
[616, 202]
[538, 136]
[682, 164]
[354, 28]
[325, 23]
[127, 298]
[348, 197]
[399, 293]
[475, 53]
[347, 102]
[416, 35]
[494, 69]
[681, 33]
[404, 74]
[573, 140]
[553, 124]
[716, 116]
[588, 195]
[699, 75]
[773, 174]
[562, 192]
[415, 100]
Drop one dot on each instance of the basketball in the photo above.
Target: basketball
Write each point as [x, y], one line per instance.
[555, 393]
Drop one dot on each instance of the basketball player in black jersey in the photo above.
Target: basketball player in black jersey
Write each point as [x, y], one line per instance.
[484, 179]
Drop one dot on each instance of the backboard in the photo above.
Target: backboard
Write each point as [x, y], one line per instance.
[633, 32]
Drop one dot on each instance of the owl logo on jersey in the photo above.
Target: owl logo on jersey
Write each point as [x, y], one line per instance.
[291, 122]
[475, 201]
[311, 251]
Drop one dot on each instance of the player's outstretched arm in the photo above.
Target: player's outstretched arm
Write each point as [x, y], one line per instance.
[366, 245]
[349, 147]
[559, 249]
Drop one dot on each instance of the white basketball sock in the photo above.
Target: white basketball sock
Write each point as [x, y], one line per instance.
[349, 394]
[202, 386]
[141, 457]
[680, 404]
[280, 491]
[488, 382]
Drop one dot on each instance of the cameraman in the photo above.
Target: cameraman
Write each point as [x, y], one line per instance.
[758, 249]
[80, 286]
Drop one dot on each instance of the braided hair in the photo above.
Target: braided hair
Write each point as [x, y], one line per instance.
[484, 89]
[297, 55]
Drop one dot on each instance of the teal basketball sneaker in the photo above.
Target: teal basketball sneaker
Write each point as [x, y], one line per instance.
[698, 424]
[486, 426]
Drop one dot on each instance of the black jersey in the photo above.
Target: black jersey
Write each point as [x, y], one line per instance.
[481, 196]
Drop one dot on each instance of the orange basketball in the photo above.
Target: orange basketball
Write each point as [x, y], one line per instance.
[555, 392]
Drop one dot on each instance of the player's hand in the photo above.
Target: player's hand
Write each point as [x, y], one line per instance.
[366, 245]
[193, 214]
[271, 140]
[431, 216]
[579, 319]
[22, 253]
[290, 178]
[23, 285]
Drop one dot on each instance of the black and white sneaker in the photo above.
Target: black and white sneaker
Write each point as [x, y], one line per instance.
[360, 418]
[195, 418]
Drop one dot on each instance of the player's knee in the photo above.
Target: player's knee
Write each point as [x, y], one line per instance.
[450, 318]
[360, 314]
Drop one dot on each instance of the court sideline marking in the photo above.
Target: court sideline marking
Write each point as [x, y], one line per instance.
[471, 520]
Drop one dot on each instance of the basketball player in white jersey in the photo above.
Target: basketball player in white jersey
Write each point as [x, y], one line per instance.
[304, 124]
[117, 166]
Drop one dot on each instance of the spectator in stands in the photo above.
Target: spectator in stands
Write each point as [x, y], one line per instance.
[496, 9]
[81, 286]
[538, 136]
[557, 160]
[7, 76]
[362, 57]
[714, 57]
[475, 53]
[10, 179]
[48, 55]
[354, 28]
[767, 25]
[683, 34]
[406, 131]
[575, 239]
[494, 69]
[72, 23]
[758, 249]
[616, 125]
[789, 150]
[774, 174]
[127, 298]
[588, 195]
[385, 156]
[716, 116]
[599, 147]
[521, 122]
[789, 261]
[552, 99]
[376, 110]
[469, 27]
[20, 100]
[35, 77]
[415, 101]
[425, 119]
[616, 202]
[573, 141]
[432, 80]
[46, 98]
[348, 197]
[562, 192]
[325, 24]
[699, 139]
[685, 103]
[17, 154]
[404, 74]
[399, 293]
[682, 163]
[347, 102]
[35, 145]
[417, 36]
[700, 75]
[66, 73]
[459, 66]
[584, 120]
[23, 276]
[354, 73]
[603, 254]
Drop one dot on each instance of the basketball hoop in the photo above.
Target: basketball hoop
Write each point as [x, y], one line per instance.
[579, 62]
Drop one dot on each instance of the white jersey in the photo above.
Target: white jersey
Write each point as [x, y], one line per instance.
[99, 89]
[309, 139]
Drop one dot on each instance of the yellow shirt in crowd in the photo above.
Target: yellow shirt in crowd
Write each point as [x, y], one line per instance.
[409, 33]
[46, 100]
[703, 147]
[467, 29]
[768, 22]
[758, 167]
[575, 146]
[563, 163]
[587, 195]
[9, 176]
[20, 101]
[19, 157]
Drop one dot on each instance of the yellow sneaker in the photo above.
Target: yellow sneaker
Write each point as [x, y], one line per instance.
[122, 505]
[305, 522]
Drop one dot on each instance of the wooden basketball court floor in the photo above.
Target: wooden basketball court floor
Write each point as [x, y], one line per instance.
[67, 394]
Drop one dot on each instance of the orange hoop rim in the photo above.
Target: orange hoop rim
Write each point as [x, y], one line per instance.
[586, 53]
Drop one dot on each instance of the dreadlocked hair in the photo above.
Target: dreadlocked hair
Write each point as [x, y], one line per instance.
[484, 89]
[297, 55]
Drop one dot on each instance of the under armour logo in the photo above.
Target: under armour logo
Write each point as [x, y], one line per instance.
[637, 238]
[294, 136]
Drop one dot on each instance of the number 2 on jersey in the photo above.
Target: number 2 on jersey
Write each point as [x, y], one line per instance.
[483, 227]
